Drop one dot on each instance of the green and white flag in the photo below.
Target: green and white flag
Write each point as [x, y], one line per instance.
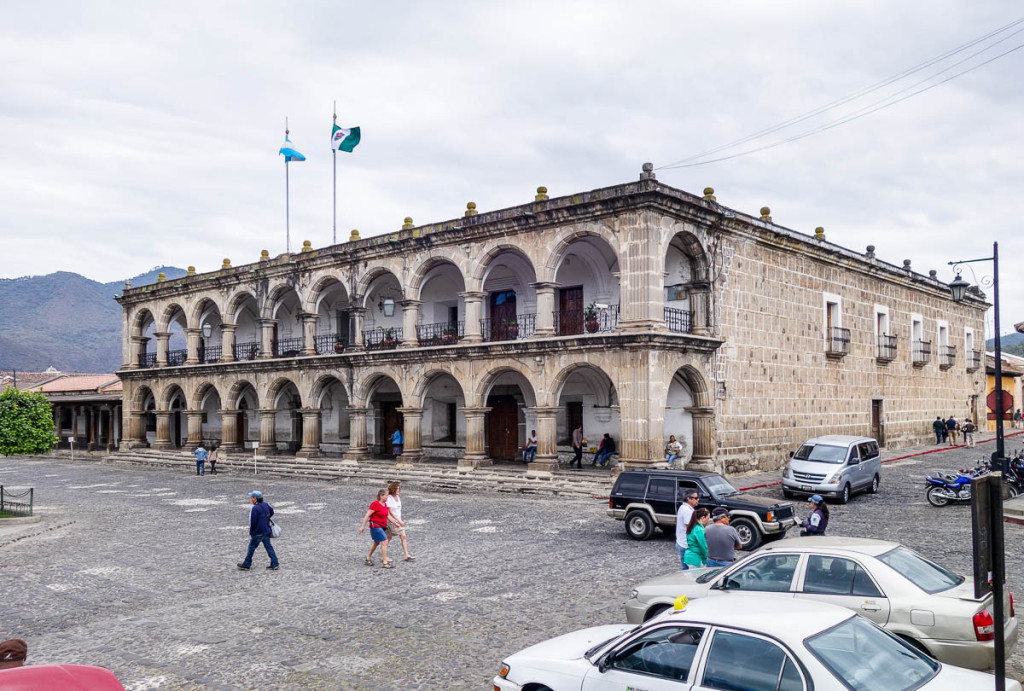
[344, 139]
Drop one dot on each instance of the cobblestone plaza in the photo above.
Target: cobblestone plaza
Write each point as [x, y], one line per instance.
[134, 569]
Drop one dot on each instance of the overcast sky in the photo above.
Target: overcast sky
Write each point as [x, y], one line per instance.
[136, 136]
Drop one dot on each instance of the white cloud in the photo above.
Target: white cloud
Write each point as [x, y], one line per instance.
[138, 135]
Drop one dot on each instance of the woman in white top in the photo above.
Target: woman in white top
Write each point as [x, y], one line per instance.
[396, 526]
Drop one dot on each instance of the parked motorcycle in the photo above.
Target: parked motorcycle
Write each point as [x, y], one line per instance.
[944, 488]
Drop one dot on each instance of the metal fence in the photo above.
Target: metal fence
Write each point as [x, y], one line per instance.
[522, 326]
[947, 356]
[249, 350]
[839, 341]
[441, 333]
[382, 339]
[210, 354]
[9, 502]
[288, 347]
[330, 343]
[147, 360]
[886, 347]
[588, 320]
[176, 358]
[678, 321]
[922, 352]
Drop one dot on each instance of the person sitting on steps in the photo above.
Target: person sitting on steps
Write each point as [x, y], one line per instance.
[604, 452]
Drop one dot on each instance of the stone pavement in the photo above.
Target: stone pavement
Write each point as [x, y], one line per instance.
[134, 570]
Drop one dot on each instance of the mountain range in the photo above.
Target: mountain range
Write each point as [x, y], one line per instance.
[64, 320]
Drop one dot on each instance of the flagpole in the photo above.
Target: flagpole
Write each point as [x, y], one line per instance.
[287, 209]
[334, 180]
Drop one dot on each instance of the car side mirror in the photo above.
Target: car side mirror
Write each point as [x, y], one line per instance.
[604, 663]
[792, 453]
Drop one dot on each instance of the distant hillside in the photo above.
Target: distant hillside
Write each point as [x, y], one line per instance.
[1012, 343]
[65, 320]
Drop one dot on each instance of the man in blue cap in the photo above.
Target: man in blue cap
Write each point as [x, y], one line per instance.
[259, 531]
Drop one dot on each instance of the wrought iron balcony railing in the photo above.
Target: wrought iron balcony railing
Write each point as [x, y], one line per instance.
[330, 343]
[679, 321]
[886, 348]
[590, 320]
[382, 339]
[147, 360]
[973, 360]
[522, 326]
[441, 333]
[947, 356]
[287, 347]
[250, 350]
[922, 352]
[210, 354]
[176, 358]
[837, 344]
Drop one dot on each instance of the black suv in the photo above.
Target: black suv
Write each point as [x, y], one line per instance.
[646, 499]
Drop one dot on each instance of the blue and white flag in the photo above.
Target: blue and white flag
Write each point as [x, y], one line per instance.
[289, 153]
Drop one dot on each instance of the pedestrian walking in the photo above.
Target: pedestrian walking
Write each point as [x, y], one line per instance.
[1018, 419]
[952, 430]
[968, 429]
[817, 521]
[201, 455]
[13, 652]
[396, 442]
[683, 516]
[721, 538]
[377, 517]
[938, 427]
[259, 531]
[696, 545]
[605, 451]
[396, 524]
[213, 461]
[530, 449]
[577, 446]
[673, 449]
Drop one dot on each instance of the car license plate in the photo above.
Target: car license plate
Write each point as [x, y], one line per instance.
[806, 488]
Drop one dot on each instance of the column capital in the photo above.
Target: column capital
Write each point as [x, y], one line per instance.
[162, 334]
[475, 411]
[140, 339]
[194, 330]
[417, 412]
[545, 410]
[266, 322]
[357, 310]
[356, 410]
[410, 304]
[192, 412]
[310, 412]
[267, 411]
[472, 295]
[700, 411]
[162, 413]
[228, 326]
[544, 285]
[308, 317]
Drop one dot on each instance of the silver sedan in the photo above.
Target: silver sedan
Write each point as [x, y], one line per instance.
[923, 603]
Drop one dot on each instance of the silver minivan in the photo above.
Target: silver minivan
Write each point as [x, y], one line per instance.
[834, 465]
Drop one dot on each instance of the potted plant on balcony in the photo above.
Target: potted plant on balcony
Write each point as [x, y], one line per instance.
[511, 328]
[590, 318]
[448, 334]
[339, 343]
[389, 338]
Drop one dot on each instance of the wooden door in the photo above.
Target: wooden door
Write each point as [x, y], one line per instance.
[504, 326]
[391, 420]
[570, 310]
[503, 427]
[573, 418]
[876, 420]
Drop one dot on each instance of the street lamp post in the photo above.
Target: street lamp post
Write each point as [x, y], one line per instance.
[958, 289]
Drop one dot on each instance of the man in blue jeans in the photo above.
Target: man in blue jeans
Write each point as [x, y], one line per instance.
[605, 451]
[722, 539]
[530, 450]
[200, 460]
[259, 531]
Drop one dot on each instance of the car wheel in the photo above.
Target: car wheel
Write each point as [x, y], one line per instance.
[937, 496]
[787, 494]
[873, 489]
[750, 536]
[654, 611]
[845, 496]
[639, 525]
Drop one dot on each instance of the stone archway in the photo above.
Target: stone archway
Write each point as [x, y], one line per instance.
[690, 416]
[587, 396]
[443, 428]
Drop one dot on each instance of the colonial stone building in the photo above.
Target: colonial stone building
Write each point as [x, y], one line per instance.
[638, 310]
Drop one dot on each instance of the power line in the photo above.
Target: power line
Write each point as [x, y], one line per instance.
[851, 97]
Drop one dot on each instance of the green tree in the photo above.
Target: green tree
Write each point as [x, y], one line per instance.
[26, 423]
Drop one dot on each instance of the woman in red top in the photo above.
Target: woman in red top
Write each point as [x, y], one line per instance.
[377, 515]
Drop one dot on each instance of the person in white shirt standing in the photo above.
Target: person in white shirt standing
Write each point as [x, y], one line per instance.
[682, 520]
[396, 526]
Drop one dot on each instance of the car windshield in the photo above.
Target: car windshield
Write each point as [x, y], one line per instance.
[823, 453]
[866, 658]
[926, 575]
[719, 486]
[607, 641]
[705, 577]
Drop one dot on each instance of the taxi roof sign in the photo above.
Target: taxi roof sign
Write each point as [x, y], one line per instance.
[681, 602]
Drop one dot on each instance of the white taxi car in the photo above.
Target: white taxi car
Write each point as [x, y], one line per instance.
[747, 642]
[922, 602]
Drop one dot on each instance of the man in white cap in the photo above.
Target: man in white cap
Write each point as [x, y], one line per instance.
[259, 531]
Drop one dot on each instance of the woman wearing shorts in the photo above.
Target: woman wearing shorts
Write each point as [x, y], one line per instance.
[396, 526]
[377, 516]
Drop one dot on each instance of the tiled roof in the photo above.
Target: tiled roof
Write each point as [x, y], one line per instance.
[80, 382]
[26, 379]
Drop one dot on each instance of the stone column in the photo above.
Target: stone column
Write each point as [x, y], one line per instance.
[163, 430]
[195, 430]
[268, 431]
[108, 430]
[74, 423]
[310, 433]
[547, 438]
[138, 349]
[410, 318]
[641, 273]
[163, 339]
[137, 427]
[227, 351]
[476, 447]
[192, 337]
[357, 449]
[92, 428]
[473, 301]
[358, 316]
[266, 338]
[703, 438]
[309, 333]
[545, 312]
[639, 442]
[412, 450]
[700, 297]
[229, 431]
